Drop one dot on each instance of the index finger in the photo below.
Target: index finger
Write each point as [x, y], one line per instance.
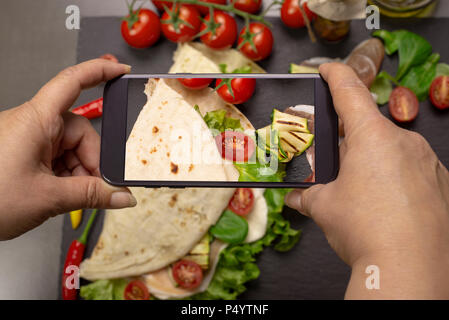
[59, 94]
[353, 101]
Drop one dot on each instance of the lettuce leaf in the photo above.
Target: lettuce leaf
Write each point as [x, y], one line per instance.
[260, 172]
[237, 264]
[104, 290]
[217, 120]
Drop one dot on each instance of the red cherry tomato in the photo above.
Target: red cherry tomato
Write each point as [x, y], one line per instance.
[143, 33]
[187, 274]
[235, 146]
[242, 90]
[262, 39]
[292, 16]
[242, 202]
[195, 83]
[159, 4]
[403, 105]
[250, 6]
[205, 10]
[184, 33]
[439, 92]
[136, 290]
[225, 33]
[109, 57]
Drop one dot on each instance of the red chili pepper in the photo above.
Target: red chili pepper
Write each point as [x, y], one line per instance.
[91, 110]
[74, 258]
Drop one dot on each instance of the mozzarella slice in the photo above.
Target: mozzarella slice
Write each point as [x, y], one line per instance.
[258, 217]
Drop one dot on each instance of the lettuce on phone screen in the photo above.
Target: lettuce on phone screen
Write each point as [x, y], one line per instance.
[197, 243]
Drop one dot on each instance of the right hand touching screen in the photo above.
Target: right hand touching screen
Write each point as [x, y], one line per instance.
[389, 206]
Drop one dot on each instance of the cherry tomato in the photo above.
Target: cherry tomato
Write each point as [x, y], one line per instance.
[225, 33]
[262, 38]
[184, 33]
[195, 83]
[187, 274]
[235, 146]
[242, 89]
[205, 10]
[242, 202]
[136, 290]
[250, 6]
[144, 32]
[110, 57]
[439, 92]
[159, 4]
[403, 105]
[292, 16]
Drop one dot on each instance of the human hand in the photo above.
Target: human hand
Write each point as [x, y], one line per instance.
[389, 205]
[50, 156]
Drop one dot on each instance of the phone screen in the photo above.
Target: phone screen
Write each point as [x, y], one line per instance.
[220, 129]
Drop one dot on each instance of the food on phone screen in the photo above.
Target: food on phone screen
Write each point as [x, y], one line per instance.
[195, 83]
[136, 290]
[235, 91]
[439, 92]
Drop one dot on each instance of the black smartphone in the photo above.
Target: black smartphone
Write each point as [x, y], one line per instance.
[219, 130]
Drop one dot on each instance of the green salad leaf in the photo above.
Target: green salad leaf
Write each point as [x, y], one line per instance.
[412, 48]
[419, 78]
[442, 69]
[104, 290]
[260, 172]
[218, 120]
[382, 87]
[237, 264]
[230, 228]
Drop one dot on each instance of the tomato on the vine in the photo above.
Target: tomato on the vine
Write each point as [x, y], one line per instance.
[222, 30]
[262, 38]
[141, 28]
[159, 4]
[235, 91]
[180, 23]
[250, 6]
[205, 10]
[291, 14]
[195, 83]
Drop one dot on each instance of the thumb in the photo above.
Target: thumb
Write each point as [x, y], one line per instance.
[303, 200]
[77, 192]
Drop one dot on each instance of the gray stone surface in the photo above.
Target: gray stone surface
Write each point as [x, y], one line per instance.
[35, 45]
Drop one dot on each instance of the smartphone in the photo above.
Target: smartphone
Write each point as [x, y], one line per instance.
[219, 130]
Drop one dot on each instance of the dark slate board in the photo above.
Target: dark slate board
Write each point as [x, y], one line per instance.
[311, 270]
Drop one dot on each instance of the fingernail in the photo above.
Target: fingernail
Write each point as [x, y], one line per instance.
[122, 199]
[293, 200]
[127, 68]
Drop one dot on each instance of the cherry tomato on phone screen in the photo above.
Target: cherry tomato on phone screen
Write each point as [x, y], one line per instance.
[195, 83]
[136, 290]
[184, 33]
[250, 6]
[439, 92]
[109, 57]
[262, 38]
[205, 10]
[235, 146]
[144, 32]
[225, 33]
[403, 105]
[292, 16]
[160, 4]
[187, 274]
[242, 89]
[242, 202]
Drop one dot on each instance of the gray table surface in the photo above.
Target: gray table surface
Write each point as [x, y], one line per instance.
[35, 45]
